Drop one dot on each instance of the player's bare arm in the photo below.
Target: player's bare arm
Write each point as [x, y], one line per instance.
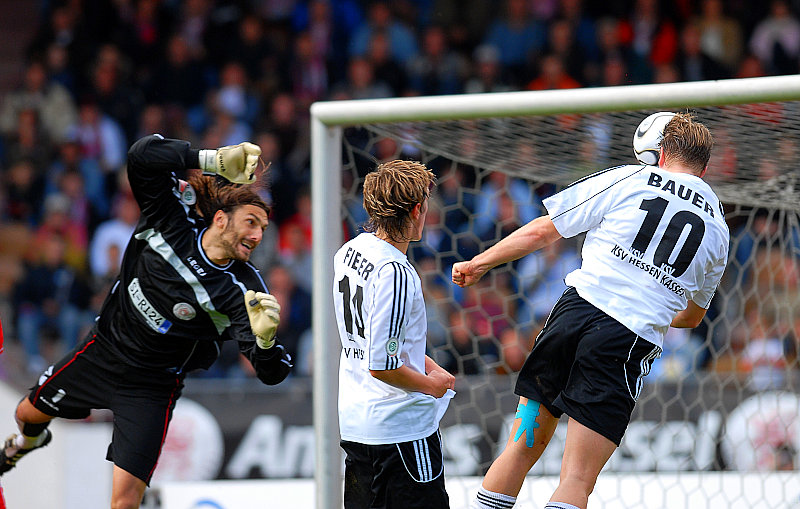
[434, 383]
[690, 317]
[535, 235]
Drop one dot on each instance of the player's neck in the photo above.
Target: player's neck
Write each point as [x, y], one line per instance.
[400, 246]
[213, 249]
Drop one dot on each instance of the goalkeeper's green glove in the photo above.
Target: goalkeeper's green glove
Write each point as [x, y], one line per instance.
[236, 163]
[264, 313]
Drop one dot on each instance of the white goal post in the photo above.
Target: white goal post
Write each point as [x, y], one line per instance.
[330, 119]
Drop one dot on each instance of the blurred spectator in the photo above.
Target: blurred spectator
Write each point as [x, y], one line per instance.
[402, 41]
[693, 64]
[283, 182]
[541, 280]
[462, 355]
[561, 42]
[292, 132]
[308, 71]
[179, 77]
[111, 237]
[683, 354]
[526, 205]
[143, 32]
[487, 73]
[53, 296]
[764, 354]
[360, 82]
[52, 102]
[385, 67]
[294, 243]
[720, 35]
[552, 75]
[776, 39]
[93, 178]
[57, 222]
[437, 69]
[192, 24]
[59, 68]
[609, 48]
[60, 27]
[111, 88]
[518, 38]
[652, 37]
[255, 52]
[100, 136]
[234, 105]
[330, 25]
[295, 309]
[514, 349]
[750, 67]
[583, 27]
[29, 141]
[24, 188]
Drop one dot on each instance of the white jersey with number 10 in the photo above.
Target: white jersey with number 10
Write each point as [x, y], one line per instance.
[654, 240]
[380, 313]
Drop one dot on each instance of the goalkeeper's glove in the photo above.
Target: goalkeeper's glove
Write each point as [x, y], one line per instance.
[264, 313]
[236, 163]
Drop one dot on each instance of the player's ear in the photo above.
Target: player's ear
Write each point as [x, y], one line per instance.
[705, 169]
[220, 219]
[416, 211]
[661, 158]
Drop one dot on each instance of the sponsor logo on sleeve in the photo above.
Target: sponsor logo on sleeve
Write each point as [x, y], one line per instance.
[392, 347]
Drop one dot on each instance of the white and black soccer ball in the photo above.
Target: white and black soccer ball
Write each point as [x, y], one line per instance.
[647, 137]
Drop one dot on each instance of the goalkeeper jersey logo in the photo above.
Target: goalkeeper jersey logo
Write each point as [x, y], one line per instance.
[152, 318]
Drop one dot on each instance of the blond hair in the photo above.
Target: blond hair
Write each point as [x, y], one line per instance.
[390, 194]
[688, 142]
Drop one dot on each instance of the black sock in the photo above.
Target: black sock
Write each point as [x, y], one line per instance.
[34, 430]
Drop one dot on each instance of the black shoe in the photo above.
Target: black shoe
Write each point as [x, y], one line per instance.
[11, 454]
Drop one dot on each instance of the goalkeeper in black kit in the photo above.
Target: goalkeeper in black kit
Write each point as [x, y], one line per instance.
[185, 286]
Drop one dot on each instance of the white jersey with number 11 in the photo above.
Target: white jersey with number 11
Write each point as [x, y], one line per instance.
[380, 313]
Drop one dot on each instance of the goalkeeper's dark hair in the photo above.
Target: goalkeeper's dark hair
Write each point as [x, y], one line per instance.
[215, 193]
[390, 194]
[687, 141]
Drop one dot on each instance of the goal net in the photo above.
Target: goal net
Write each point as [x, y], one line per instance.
[718, 420]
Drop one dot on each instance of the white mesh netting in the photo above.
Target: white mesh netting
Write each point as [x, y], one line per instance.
[723, 397]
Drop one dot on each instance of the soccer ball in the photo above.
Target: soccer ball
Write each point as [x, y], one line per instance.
[647, 138]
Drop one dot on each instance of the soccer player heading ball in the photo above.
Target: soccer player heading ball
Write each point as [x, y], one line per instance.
[656, 246]
[185, 286]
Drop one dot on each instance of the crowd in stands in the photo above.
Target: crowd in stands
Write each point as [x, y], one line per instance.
[99, 75]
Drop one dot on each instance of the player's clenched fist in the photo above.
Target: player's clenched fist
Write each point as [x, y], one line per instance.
[264, 313]
[466, 273]
[237, 163]
[441, 381]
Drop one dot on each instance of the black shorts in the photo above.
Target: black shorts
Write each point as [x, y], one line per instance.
[405, 475]
[91, 376]
[588, 365]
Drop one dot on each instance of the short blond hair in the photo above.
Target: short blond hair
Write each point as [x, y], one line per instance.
[390, 194]
[687, 141]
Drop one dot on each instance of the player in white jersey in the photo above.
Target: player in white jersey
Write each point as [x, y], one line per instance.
[656, 246]
[391, 395]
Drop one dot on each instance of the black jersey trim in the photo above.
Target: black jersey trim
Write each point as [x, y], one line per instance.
[598, 192]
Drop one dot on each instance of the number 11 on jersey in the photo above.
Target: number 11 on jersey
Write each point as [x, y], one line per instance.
[352, 315]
